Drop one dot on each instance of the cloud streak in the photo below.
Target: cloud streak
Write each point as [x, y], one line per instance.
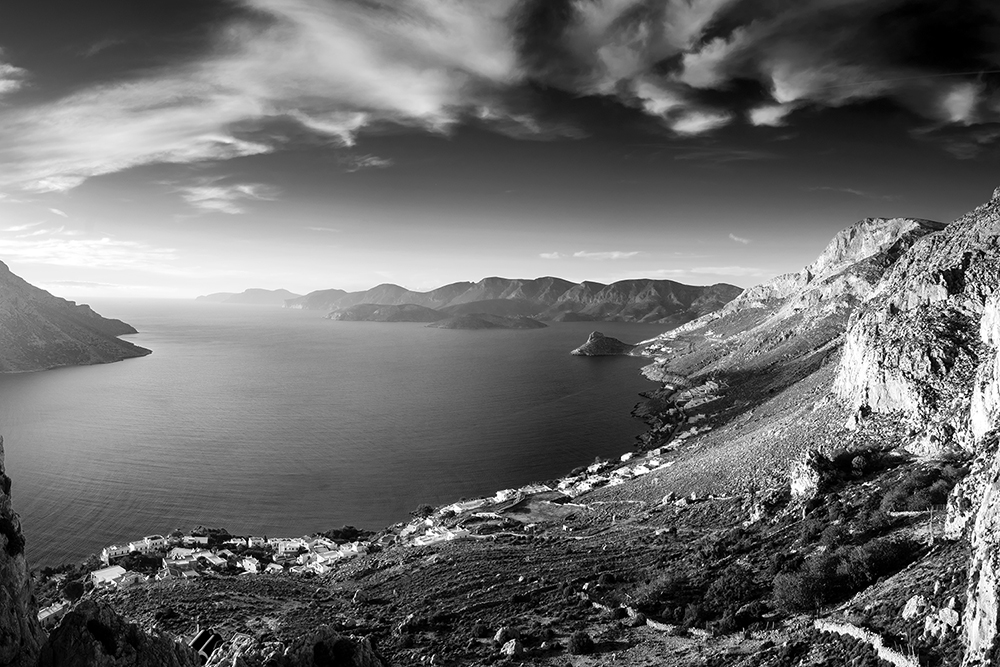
[232, 199]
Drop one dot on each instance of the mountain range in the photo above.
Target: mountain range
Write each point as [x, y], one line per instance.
[655, 301]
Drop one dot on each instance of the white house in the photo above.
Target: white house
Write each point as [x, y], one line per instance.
[197, 540]
[250, 564]
[110, 553]
[274, 568]
[180, 553]
[49, 616]
[256, 542]
[109, 576]
[148, 544]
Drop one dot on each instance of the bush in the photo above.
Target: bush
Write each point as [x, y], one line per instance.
[423, 511]
[733, 588]
[580, 643]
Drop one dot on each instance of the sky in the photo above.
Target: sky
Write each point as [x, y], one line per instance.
[171, 149]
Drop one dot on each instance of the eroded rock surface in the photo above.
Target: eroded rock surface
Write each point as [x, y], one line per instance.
[93, 635]
[20, 634]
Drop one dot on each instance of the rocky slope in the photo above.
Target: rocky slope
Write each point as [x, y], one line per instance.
[548, 298]
[251, 297]
[39, 331]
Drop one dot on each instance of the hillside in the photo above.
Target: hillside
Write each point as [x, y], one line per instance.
[370, 312]
[818, 486]
[40, 331]
[251, 297]
[547, 298]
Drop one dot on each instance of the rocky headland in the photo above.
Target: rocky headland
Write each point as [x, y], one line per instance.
[599, 345]
[40, 331]
[818, 486]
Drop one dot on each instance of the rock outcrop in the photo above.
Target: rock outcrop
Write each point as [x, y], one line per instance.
[21, 636]
[93, 635]
[599, 345]
[323, 647]
[39, 331]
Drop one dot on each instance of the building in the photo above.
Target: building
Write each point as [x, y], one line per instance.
[148, 544]
[180, 553]
[256, 542]
[195, 540]
[109, 576]
[274, 568]
[113, 552]
[50, 616]
[250, 564]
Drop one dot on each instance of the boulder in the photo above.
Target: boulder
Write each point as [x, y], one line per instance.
[810, 476]
[512, 649]
[914, 607]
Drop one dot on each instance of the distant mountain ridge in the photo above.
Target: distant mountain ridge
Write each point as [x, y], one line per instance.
[40, 331]
[251, 297]
[546, 298]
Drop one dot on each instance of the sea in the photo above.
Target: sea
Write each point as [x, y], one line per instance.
[267, 421]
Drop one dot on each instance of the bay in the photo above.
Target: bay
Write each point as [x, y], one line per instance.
[279, 422]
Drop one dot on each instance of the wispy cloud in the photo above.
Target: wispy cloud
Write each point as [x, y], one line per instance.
[21, 228]
[850, 191]
[11, 78]
[735, 271]
[739, 239]
[323, 229]
[552, 255]
[770, 115]
[354, 163]
[102, 252]
[611, 254]
[58, 212]
[216, 197]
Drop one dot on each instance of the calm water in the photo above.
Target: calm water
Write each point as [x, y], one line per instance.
[280, 422]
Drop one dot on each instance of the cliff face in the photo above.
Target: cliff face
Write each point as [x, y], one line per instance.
[793, 315]
[20, 634]
[39, 331]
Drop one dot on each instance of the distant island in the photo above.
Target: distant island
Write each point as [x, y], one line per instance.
[547, 299]
[486, 321]
[251, 297]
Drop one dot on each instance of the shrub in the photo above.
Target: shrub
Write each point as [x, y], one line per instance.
[733, 588]
[423, 511]
[580, 643]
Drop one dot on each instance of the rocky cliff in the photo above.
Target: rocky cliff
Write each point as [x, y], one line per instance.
[39, 331]
[20, 634]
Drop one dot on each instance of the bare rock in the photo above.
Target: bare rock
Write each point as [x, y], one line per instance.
[810, 476]
[512, 648]
[20, 634]
[326, 647]
[93, 635]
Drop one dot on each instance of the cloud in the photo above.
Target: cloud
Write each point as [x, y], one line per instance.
[58, 212]
[21, 228]
[323, 229]
[551, 255]
[11, 78]
[849, 191]
[339, 69]
[354, 163]
[214, 197]
[739, 239]
[770, 115]
[607, 255]
[102, 252]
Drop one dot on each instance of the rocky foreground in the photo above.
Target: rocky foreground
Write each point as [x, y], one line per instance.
[818, 486]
